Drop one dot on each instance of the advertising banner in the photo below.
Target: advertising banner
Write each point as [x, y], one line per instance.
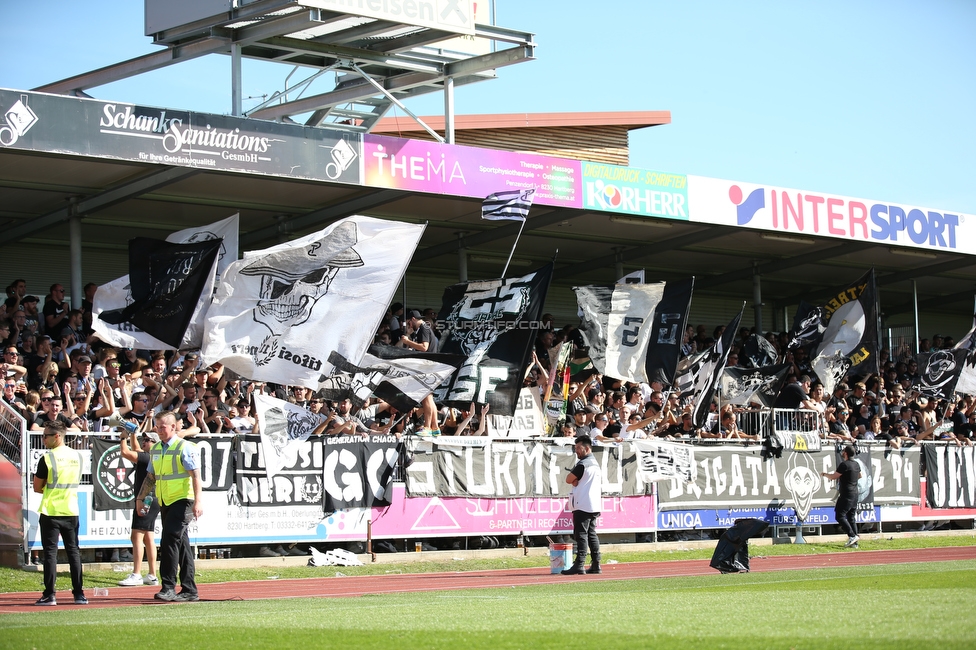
[628, 190]
[86, 127]
[775, 515]
[801, 212]
[448, 517]
[436, 168]
[739, 477]
[479, 467]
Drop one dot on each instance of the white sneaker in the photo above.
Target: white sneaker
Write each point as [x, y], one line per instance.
[125, 556]
[115, 556]
[150, 580]
[265, 551]
[133, 580]
[280, 550]
[852, 542]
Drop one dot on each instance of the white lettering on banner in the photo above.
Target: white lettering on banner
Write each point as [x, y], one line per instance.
[219, 465]
[414, 167]
[352, 480]
[642, 201]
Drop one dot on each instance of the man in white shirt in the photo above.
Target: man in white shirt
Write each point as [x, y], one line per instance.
[586, 500]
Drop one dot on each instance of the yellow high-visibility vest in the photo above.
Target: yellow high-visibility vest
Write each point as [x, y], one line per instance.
[60, 498]
[172, 479]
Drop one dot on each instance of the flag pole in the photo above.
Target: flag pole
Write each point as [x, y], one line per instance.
[512, 252]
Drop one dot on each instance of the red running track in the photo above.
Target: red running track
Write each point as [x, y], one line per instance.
[333, 587]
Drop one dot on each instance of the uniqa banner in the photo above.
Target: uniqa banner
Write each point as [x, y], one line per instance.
[950, 474]
[479, 467]
[739, 477]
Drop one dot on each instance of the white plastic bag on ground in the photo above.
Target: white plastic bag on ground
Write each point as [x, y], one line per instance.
[335, 557]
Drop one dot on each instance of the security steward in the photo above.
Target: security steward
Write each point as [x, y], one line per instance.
[56, 479]
[174, 471]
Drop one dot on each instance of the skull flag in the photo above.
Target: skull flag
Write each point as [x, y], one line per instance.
[284, 427]
[118, 294]
[493, 324]
[279, 312]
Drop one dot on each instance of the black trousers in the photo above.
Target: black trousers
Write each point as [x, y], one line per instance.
[174, 547]
[584, 534]
[845, 511]
[67, 529]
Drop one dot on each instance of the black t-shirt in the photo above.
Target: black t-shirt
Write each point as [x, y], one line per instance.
[60, 312]
[424, 335]
[791, 397]
[849, 471]
[42, 418]
[142, 470]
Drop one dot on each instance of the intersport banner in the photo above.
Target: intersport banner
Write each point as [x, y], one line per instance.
[739, 477]
[479, 467]
[950, 476]
[803, 212]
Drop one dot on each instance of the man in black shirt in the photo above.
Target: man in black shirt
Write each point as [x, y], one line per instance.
[420, 337]
[849, 471]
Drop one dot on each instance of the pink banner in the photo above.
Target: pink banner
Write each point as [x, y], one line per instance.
[439, 517]
[437, 168]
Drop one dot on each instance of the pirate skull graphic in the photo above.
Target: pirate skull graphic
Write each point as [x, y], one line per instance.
[802, 481]
[293, 280]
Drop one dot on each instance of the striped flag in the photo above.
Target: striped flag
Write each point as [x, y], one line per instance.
[707, 377]
[507, 206]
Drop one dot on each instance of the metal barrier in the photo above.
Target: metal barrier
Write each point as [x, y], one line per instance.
[12, 429]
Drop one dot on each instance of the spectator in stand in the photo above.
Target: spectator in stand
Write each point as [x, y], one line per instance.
[52, 412]
[420, 337]
[837, 427]
[11, 368]
[683, 430]
[14, 394]
[857, 396]
[862, 418]
[796, 395]
[55, 311]
[88, 292]
[581, 422]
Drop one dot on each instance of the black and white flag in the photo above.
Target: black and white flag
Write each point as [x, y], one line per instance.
[845, 325]
[279, 312]
[757, 352]
[117, 294]
[493, 324]
[512, 205]
[659, 460]
[687, 371]
[283, 427]
[167, 283]
[831, 370]
[402, 383]
[634, 277]
[634, 331]
[113, 477]
[939, 372]
[966, 383]
[358, 472]
[744, 385]
[707, 379]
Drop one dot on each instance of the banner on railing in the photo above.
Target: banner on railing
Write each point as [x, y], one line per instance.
[478, 467]
[739, 477]
[358, 472]
[950, 476]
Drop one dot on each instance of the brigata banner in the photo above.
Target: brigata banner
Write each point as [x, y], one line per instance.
[950, 476]
[480, 467]
[116, 130]
[739, 477]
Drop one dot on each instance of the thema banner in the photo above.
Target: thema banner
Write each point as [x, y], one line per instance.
[739, 477]
[455, 467]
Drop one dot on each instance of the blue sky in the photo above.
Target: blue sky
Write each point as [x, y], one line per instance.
[872, 99]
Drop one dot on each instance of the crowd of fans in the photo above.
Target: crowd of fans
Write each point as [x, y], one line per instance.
[55, 368]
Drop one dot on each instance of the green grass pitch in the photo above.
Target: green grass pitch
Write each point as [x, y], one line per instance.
[893, 606]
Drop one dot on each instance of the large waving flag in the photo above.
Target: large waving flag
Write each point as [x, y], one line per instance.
[712, 366]
[634, 331]
[966, 382]
[846, 325]
[167, 283]
[402, 382]
[279, 312]
[493, 325]
[745, 385]
[118, 294]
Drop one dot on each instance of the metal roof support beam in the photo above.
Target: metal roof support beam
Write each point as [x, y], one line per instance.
[642, 251]
[108, 198]
[922, 271]
[782, 264]
[322, 216]
[935, 301]
[556, 216]
[220, 41]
